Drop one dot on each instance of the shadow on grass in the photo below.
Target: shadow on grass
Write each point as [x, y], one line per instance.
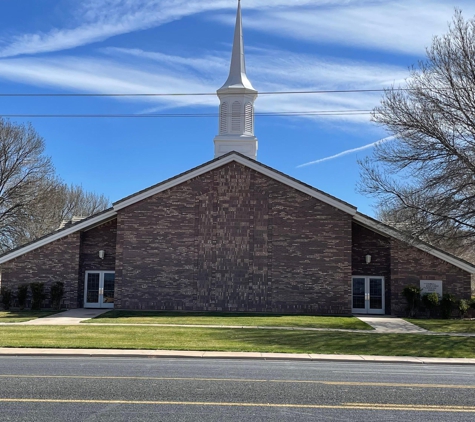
[231, 318]
[222, 339]
[22, 316]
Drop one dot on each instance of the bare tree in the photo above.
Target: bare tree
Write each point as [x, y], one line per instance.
[56, 203]
[33, 200]
[23, 167]
[424, 180]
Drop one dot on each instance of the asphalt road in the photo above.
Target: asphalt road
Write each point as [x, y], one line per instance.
[116, 389]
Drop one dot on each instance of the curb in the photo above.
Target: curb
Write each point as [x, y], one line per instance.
[175, 354]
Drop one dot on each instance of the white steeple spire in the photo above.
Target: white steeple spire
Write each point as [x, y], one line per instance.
[237, 96]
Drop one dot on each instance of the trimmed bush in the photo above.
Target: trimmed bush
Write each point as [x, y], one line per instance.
[412, 294]
[6, 298]
[447, 305]
[37, 295]
[22, 295]
[464, 306]
[56, 293]
[430, 301]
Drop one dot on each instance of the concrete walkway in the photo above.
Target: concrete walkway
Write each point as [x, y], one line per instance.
[70, 317]
[385, 324]
[382, 324]
[130, 353]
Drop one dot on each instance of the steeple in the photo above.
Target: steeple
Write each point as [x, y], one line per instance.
[236, 111]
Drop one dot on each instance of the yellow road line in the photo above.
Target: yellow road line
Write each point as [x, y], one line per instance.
[336, 383]
[353, 406]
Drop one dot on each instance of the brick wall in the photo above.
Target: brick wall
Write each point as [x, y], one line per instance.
[409, 265]
[56, 261]
[102, 237]
[235, 240]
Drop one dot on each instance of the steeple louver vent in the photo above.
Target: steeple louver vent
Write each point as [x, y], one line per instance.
[236, 117]
[248, 111]
[223, 121]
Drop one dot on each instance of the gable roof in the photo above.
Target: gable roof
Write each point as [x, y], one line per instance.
[389, 231]
[111, 213]
[246, 161]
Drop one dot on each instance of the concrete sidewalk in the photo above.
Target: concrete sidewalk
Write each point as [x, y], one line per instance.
[69, 317]
[387, 324]
[382, 324]
[16, 352]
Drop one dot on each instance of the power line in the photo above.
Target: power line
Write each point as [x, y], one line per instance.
[192, 115]
[197, 94]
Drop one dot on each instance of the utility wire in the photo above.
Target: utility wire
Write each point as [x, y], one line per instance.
[199, 94]
[192, 115]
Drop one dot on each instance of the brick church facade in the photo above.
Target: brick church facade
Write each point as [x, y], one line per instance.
[234, 235]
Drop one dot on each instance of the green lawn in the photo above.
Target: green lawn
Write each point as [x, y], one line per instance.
[226, 319]
[445, 325]
[222, 339]
[22, 316]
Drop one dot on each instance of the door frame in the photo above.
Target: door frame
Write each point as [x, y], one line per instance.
[100, 303]
[367, 309]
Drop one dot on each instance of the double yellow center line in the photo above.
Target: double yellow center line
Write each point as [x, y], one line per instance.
[348, 406]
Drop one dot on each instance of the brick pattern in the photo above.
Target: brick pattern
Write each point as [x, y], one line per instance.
[56, 261]
[235, 240]
[368, 242]
[409, 265]
[102, 237]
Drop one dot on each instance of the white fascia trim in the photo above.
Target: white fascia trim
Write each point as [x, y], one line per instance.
[389, 231]
[56, 236]
[251, 164]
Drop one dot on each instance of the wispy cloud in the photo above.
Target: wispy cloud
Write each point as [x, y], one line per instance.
[402, 26]
[152, 72]
[348, 151]
[98, 20]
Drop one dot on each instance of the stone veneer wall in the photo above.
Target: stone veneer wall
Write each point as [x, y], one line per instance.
[234, 240]
[56, 261]
[368, 242]
[409, 265]
[102, 237]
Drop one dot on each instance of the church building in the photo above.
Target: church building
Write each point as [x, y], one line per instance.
[234, 235]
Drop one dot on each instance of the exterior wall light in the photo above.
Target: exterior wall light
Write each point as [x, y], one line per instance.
[368, 259]
[102, 254]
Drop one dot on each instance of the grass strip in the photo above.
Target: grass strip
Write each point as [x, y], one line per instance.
[226, 319]
[246, 340]
[445, 325]
[22, 316]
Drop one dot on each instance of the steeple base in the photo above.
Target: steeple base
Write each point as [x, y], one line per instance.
[246, 145]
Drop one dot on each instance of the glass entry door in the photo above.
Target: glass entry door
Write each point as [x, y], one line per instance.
[368, 295]
[99, 289]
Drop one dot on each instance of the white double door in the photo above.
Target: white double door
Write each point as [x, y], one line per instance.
[99, 289]
[368, 295]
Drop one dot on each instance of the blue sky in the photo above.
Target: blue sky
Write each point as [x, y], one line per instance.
[184, 46]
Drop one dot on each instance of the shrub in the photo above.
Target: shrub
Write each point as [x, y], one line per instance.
[430, 302]
[412, 295]
[464, 306]
[6, 298]
[37, 295]
[22, 295]
[56, 293]
[447, 305]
